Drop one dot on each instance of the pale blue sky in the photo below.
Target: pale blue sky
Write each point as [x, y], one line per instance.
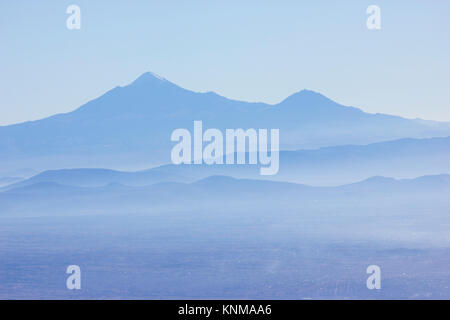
[257, 51]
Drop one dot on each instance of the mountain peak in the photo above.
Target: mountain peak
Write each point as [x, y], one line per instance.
[150, 77]
[307, 96]
[153, 75]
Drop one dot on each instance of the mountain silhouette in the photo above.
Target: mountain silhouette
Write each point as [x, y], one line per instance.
[130, 126]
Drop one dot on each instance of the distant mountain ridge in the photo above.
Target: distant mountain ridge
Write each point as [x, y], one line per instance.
[403, 158]
[439, 182]
[91, 177]
[232, 194]
[130, 126]
[221, 182]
